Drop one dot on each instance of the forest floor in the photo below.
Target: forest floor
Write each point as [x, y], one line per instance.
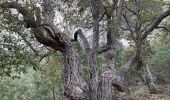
[152, 97]
[142, 93]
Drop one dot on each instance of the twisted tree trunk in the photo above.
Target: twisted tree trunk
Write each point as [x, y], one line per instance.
[75, 87]
[98, 88]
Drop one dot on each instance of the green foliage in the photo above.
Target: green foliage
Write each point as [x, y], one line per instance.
[16, 53]
[121, 57]
[160, 61]
[44, 84]
[102, 63]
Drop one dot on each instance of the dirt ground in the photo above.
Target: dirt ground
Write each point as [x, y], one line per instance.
[142, 93]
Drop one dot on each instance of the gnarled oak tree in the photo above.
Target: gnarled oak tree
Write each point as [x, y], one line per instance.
[40, 18]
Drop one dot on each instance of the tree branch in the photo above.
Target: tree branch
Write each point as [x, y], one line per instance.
[132, 11]
[49, 12]
[103, 49]
[28, 43]
[46, 55]
[164, 27]
[101, 17]
[95, 15]
[128, 24]
[85, 41]
[27, 16]
[35, 25]
[155, 23]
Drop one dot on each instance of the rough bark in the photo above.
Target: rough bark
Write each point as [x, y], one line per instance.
[92, 56]
[113, 26]
[105, 86]
[108, 81]
[75, 88]
[149, 80]
[84, 39]
[111, 41]
[137, 63]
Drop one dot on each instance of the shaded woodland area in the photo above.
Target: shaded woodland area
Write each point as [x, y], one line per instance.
[84, 50]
